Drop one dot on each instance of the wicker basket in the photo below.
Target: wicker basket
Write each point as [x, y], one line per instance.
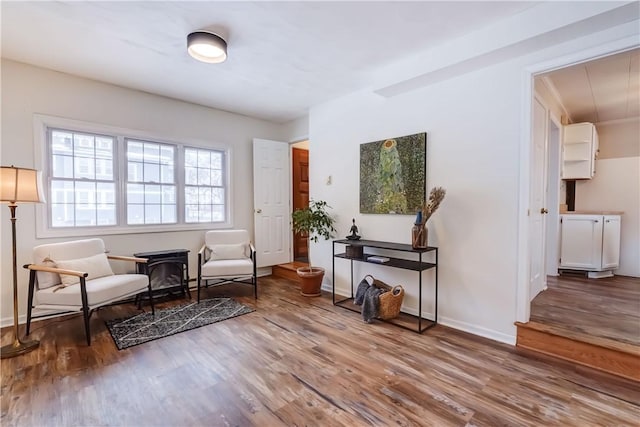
[390, 299]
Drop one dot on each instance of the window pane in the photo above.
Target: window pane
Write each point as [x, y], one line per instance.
[85, 215]
[62, 215]
[190, 157]
[134, 151]
[169, 214]
[104, 169]
[191, 195]
[106, 193]
[152, 194]
[191, 213]
[135, 193]
[135, 214]
[204, 159]
[104, 148]
[166, 174]
[204, 213]
[62, 166]
[204, 195]
[83, 145]
[134, 172]
[217, 213]
[62, 192]
[217, 195]
[107, 215]
[84, 168]
[151, 153]
[216, 160]
[61, 143]
[167, 154]
[216, 178]
[151, 172]
[152, 214]
[191, 176]
[168, 194]
[204, 177]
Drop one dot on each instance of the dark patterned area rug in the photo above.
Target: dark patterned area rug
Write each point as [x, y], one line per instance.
[145, 327]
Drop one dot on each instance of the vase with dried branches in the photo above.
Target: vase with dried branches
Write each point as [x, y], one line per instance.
[419, 232]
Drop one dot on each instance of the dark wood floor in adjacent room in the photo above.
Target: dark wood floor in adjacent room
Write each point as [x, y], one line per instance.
[607, 308]
[299, 361]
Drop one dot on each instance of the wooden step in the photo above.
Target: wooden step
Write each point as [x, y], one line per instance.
[288, 270]
[606, 355]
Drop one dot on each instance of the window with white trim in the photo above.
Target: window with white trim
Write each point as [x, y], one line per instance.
[204, 185]
[151, 183]
[109, 180]
[82, 180]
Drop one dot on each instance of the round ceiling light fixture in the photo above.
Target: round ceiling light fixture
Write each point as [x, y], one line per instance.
[207, 47]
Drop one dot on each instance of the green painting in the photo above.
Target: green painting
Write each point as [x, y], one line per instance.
[393, 175]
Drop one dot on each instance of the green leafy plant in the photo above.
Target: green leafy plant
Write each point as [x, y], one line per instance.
[314, 221]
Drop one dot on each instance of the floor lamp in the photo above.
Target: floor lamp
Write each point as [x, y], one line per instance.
[18, 185]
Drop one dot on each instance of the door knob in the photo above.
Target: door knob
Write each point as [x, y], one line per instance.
[543, 211]
[258, 210]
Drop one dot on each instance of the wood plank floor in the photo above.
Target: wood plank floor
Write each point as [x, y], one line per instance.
[299, 361]
[606, 308]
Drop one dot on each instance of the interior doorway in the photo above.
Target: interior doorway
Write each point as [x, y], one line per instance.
[300, 194]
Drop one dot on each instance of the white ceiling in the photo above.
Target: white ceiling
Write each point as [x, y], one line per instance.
[283, 56]
[599, 91]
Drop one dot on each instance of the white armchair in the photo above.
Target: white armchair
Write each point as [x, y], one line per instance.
[77, 276]
[227, 256]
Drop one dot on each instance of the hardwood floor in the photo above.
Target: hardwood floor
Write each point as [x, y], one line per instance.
[299, 361]
[607, 308]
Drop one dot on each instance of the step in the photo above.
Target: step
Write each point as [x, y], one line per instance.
[603, 354]
[288, 270]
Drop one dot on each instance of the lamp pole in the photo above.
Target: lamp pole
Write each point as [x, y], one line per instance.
[17, 347]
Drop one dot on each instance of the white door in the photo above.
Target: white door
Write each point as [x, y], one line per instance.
[271, 201]
[581, 242]
[537, 231]
[611, 242]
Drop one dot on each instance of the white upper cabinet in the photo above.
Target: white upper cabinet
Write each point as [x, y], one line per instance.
[579, 151]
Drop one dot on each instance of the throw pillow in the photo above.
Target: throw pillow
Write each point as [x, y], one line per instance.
[235, 251]
[95, 266]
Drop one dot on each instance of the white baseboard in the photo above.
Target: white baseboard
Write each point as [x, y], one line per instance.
[478, 330]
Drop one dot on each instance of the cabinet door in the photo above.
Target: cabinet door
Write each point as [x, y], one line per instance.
[611, 241]
[581, 242]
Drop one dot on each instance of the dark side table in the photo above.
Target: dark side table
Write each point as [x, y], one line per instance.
[168, 271]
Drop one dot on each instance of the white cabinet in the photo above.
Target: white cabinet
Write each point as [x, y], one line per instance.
[579, 150]
[590, 243]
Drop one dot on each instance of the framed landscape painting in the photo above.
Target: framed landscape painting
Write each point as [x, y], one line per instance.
[393, 175]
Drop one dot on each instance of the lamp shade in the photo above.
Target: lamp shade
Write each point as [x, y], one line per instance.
[20, 185]
[207, 47]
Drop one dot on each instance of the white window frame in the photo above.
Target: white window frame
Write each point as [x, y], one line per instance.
[43, 230]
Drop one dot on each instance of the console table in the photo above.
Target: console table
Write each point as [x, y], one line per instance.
[168, 271]
[419, 265]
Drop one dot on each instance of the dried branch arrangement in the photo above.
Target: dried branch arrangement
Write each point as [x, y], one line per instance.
[431, 205]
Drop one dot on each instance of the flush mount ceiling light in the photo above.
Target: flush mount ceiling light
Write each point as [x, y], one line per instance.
[207, 47]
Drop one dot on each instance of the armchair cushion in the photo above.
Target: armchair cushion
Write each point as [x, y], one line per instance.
[95, 266]
[99, 291]
[227, 267]
[232, 251]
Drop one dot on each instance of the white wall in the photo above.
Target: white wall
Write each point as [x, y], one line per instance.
[27, 90]
[474, 127]
[616, 187]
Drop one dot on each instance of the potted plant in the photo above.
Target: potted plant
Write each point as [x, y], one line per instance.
[316, 222]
